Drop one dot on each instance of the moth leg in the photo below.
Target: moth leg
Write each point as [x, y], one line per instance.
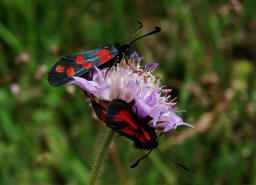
[92, 73]
[141, 158]
[116, 61]
[136, 111]
[126, 61]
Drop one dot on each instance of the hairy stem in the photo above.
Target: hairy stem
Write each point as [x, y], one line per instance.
[98, 163]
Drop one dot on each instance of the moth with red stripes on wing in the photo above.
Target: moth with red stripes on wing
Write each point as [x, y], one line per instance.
[120, 117]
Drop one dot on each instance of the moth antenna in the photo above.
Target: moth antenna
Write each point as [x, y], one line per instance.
[156, 30]
[134, 33]
[141, 158]
[173, 160]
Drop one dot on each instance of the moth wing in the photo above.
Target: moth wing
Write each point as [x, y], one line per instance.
[122, 119]
[79, 64]
[99, 110]
[76, 64]
[120, 113]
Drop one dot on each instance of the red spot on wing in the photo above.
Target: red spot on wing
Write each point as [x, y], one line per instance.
[145, 133]
[80, 60]
[125, 116]
[103, 53]
[129, 130]
[60, 69]
[87, 65]
[106, 58]
[70, 72]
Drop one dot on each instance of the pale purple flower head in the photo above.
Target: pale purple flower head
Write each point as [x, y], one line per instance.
[138, 87]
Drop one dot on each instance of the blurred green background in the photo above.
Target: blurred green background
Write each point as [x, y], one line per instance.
[207, 54]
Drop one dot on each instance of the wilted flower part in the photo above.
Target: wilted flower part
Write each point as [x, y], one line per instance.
[23, 57]
[40, 72]
[135, 56]
[138, 87]
[15, 88]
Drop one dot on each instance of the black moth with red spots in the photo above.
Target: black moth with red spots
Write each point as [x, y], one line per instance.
[120, 117]
[79, 64]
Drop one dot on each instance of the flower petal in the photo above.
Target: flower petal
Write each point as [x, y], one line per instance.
[156, 113]
[143, 109]
[151, 67]
[98, 76]
[138, 85]
[85, 85]
[131, 90]
[151, 100]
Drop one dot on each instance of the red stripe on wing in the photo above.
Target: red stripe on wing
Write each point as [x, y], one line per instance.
[130, 131]
[103, 115]
[145, 133]
[87, 65]
[100, 111]
[125, 116]
[106, 58]
[103, 53]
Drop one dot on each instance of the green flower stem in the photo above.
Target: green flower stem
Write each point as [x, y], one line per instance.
[98, 163]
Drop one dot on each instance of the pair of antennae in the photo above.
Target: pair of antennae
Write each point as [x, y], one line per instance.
[130, 41]
[163, 155]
